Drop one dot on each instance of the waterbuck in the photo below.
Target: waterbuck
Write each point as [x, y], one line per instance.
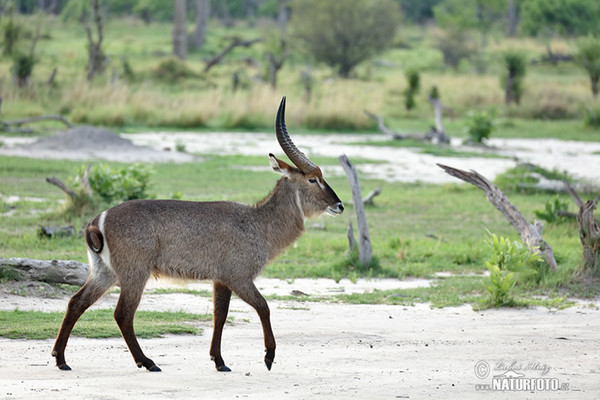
[226, 242]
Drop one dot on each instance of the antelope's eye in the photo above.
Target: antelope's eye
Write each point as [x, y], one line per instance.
[312, 180]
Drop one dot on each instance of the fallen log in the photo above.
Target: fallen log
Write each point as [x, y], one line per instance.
[368, 199]
[54, 271]
[531, 234]
[18, 122]
[589, 231]
[433, 135]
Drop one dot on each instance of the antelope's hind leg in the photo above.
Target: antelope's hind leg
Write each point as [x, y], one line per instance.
[129, 300]
[221, 298]
[97, 284]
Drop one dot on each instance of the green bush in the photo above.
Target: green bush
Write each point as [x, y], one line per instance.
[511, 80]
[414, 82]
[552, 209]
[120, 184]
[507, 259]
[22, 68]
[479, 125]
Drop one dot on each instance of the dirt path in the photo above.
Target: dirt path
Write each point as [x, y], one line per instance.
[324, 350]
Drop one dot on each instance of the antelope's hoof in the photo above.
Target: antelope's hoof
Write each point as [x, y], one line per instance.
[268, 363]
[223, 368]
[149, 366]
[64, 367]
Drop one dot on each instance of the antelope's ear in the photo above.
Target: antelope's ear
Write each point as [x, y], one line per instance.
[280, 166]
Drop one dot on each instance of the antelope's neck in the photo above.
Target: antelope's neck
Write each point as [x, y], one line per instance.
[281, 216]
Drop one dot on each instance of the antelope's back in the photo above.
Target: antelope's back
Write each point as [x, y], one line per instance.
[195, 240]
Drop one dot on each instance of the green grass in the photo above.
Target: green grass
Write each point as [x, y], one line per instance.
[97, 324]
[206, 100]
[417, 230]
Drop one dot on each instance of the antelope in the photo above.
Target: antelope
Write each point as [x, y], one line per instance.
[226, 242]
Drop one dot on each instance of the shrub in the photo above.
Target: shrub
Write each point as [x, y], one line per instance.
[414, 82]
[171, 70]
[120, 184]
[22, 68]
[11, 31]
[479, 125]
[515, 63]
[551, 210]
[507, 259]
[588, 56]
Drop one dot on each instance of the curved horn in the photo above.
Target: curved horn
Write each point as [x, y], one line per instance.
[288, 147]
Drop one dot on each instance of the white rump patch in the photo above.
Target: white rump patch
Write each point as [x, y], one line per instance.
[105, 253]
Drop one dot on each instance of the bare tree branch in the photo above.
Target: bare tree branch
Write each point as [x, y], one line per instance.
[531, 234]
[57, 182]
[237, 42]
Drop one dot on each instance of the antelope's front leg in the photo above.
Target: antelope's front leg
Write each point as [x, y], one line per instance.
[250, 294]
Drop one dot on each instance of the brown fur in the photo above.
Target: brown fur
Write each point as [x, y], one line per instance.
[228, 243]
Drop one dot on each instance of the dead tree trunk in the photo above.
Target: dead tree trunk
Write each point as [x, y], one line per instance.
[365, 251]
[54, 271]
[237, 42]
[531, 234]
[589, 231]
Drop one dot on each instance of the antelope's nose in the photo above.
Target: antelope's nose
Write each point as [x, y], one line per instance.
[339, 207]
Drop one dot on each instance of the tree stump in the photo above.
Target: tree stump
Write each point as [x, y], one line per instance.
[589, 231]
[365, 251]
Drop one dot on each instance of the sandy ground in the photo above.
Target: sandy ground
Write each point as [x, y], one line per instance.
[325, 350]
[328, 350]
[581, 159]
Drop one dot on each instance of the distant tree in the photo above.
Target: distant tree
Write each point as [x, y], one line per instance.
[588, 56]
[276, 54]
[563, 17]
[202, 14]
[460, 16]
[11, 30]
[96, 57]
[179, 30]
[512, 16]
[515, 63]
[342, 34]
